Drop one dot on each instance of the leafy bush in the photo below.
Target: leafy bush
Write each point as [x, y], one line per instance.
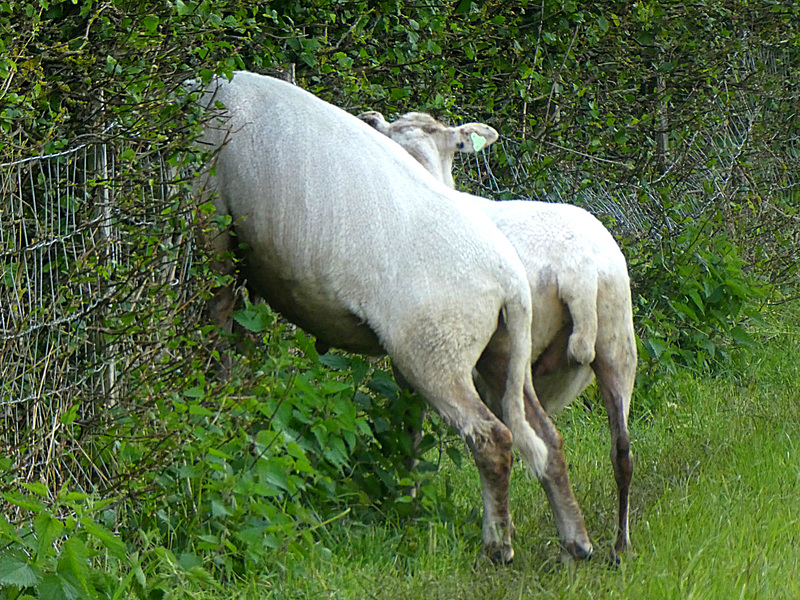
[695, 298]
[265, 460]
[66, 550]
[257, 465]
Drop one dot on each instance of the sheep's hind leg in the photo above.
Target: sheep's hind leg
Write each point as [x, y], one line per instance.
[554, 479]
[491, 449]
[616, 386]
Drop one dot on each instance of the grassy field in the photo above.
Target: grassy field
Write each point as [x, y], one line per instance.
[715, 507]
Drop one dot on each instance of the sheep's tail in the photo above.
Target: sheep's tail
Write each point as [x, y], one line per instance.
[518, 382]
[580, 296]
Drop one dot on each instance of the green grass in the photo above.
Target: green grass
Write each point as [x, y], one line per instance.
[715, 507]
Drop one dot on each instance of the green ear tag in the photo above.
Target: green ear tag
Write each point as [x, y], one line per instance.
[478, 141]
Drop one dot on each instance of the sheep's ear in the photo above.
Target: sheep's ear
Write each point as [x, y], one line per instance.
[474, 137]
[375, 120]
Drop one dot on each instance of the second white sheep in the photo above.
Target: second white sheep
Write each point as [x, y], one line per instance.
[580, 289]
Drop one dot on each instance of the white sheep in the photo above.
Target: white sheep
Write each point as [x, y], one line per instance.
[582, 317]
[368, 252]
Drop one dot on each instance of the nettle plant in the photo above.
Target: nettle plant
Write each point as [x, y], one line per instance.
[697, 298]
[296, 441]
[259, 466]
[65, 549]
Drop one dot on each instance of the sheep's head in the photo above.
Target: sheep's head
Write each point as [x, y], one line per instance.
[431, 142]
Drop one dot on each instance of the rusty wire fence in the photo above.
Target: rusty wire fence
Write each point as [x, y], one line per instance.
[96, 286]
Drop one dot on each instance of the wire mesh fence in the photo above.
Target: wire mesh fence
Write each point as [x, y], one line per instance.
[94, 256]
[741, 171]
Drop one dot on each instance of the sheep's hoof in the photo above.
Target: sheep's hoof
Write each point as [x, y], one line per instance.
[499, 554]
[578, 552]
[615, 556]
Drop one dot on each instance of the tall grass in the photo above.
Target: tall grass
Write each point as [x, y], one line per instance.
[715, 506]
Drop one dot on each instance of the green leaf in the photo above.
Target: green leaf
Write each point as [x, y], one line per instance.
[383, 384]
[398, 93]
[56, 587]
[111, 542]
[321, 433]
[219, 510]
[47, 529]
[455, 455]
[150, 23]
[196, 409]
[252, 536]
[183, 8]
[74, 563]
[271, 541]
[463, 7]
[68, 418]
[739, 288]
[692, 293]
[195, 392]
[707, 344]
[276, 475]
[15, 570]
[302, 384]
[655, 347]
[335, 361]
[740, 336]
[683, 310]
[37, 488]
[256, 318]
[363, 426]
[23, 501]
[334, 387]
[8, 532]
[294, 450]
[215, 452]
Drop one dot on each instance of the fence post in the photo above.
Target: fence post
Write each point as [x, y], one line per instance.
[112, 392]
